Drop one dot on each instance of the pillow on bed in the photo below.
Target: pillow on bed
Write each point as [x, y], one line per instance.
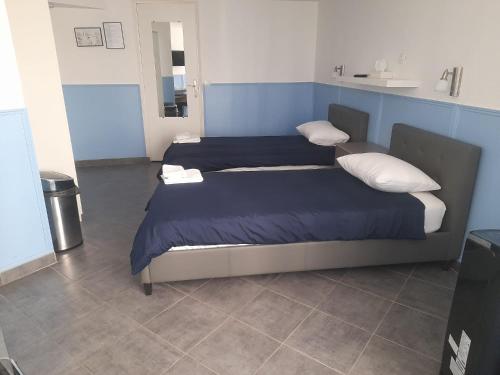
[322, 133]
[387, 173]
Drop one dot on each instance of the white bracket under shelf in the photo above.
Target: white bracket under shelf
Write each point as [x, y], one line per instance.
[378, 82]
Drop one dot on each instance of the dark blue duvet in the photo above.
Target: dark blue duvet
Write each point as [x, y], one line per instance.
[273, 208]
[217, 153]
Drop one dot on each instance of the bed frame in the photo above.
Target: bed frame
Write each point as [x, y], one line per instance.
[451, 163]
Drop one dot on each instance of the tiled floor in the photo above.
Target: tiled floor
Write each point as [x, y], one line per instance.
[87, 315]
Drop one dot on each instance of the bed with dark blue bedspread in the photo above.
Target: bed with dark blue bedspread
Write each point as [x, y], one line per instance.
[273, 208]
[217, 153]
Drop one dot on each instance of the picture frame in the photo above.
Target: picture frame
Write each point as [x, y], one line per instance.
[113, 33]
[88, 37]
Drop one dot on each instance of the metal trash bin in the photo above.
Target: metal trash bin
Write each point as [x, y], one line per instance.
[60, 193]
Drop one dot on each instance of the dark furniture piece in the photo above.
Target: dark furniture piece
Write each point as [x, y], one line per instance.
[472, 344]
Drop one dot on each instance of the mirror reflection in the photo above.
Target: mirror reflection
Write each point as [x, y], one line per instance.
[168, 48]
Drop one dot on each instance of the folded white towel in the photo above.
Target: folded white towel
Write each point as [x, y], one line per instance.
[191, 176]
[186, 138]
[170, 170]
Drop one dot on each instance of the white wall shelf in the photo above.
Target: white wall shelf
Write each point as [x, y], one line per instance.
[391, 83]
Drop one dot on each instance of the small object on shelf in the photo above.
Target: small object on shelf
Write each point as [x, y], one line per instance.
[361, 75]
[382, 75]
[381, 65]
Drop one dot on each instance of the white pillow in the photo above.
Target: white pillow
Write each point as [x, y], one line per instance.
[322, 133]
[387, 173]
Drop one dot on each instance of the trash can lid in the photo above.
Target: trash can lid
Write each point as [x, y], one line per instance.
[55, 181]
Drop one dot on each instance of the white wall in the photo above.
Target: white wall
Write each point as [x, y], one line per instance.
[11, 96]
[257, 40]
[240, 41]
[164, 39]
[37, 62]
[96, 65]
[434, 35]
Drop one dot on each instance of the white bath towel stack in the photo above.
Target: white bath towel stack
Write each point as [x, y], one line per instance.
[176, 174]
[186, 138]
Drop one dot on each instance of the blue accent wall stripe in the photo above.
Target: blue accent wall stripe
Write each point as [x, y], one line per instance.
[168, 89]
[105, 121]
[253, 109]
[469, 124]
[24, 228]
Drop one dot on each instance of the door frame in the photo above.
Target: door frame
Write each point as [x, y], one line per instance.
[140, 66]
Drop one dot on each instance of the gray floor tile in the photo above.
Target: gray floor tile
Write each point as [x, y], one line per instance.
[287, 361]
[33, 287]
[305, 287]
[227, 294]
[329, 340]
[427, 297]
[79, 263]
[234, 349]
[188, 366]
[134, 303]
[59, 304]
[78, 370]
[109, 282]
[433, 272]
[18, 329]
[45, 357]
[96, 330]
[382, 357]
[273, 314]
[333, 274]
[415, 330]
[262, 280]
[404, 269]
[186, 323]
[188, 286]
[140, 352]
[355, 306]
[378, 280]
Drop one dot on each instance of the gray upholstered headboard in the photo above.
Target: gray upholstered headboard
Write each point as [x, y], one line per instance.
[349, 120]
[453, 164]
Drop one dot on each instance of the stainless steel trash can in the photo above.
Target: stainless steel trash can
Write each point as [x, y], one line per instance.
[60, 193]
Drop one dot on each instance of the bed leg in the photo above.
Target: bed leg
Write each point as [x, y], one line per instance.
[447, 265]
[148, 289]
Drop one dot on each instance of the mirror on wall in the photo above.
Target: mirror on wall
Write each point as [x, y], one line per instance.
[170, 67]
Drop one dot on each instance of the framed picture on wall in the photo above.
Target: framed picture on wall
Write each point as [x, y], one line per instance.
[113, 32]
[88, 37]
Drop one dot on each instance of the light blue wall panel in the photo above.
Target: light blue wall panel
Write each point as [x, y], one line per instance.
[24, 228]
[482, 127]
[324, 95]
[105, 121]
[368, 101]
[247, 109]
[168, 89]
[425, 114]
[180, 81]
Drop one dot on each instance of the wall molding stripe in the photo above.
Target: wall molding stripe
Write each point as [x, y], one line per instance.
[27, 269]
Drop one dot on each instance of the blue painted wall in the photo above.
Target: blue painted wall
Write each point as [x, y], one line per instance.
[180, 81]
[168, 89]
[24, 228]
[105, 121]
[246, 109]
[473, 125]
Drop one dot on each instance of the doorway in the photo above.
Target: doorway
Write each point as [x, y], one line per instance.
[169, 57]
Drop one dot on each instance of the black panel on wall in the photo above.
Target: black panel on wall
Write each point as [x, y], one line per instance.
[178, 58]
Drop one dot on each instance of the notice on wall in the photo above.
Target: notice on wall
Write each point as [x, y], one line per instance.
[113, 33]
